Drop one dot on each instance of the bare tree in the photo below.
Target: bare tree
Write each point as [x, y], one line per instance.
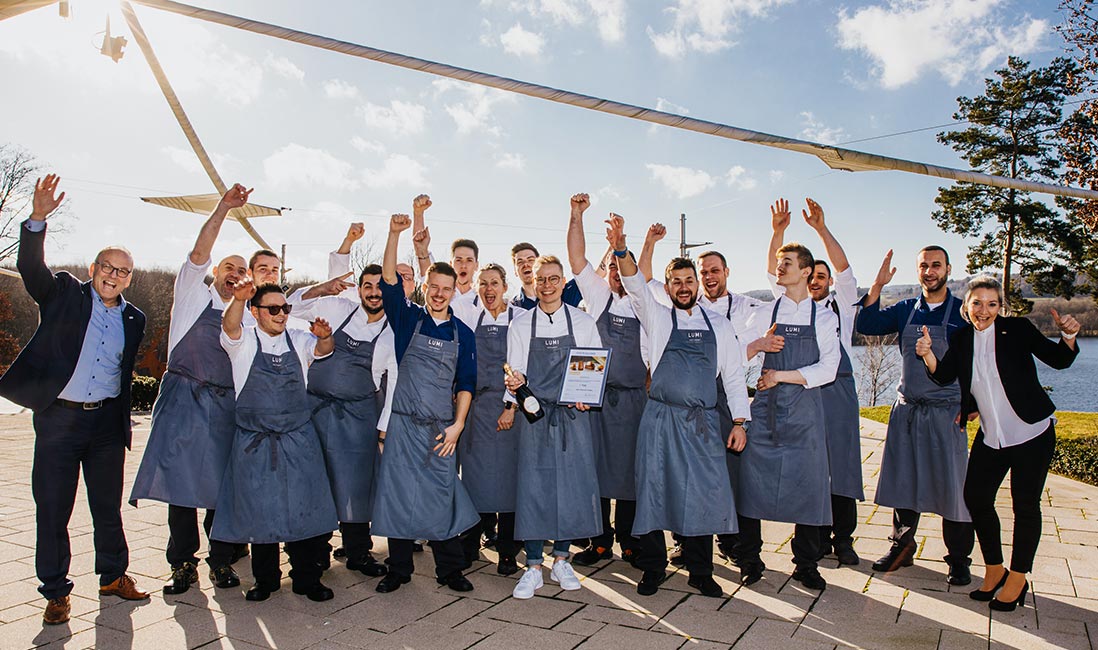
[879, 367]
[18, 172]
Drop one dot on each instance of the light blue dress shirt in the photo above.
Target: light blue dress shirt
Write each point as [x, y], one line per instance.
[98, 373]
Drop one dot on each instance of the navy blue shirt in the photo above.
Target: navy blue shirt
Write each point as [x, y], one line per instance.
[570, 296]
[874, 321]
[404, 319]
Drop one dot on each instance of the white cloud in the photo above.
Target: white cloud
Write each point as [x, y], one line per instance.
[520, 42]
[476, 111]
[814, 130]
[739, 178]
[297, 166]
[608, 192]
[226, 165]
[682, 182]
[367, 146]
[340, 89]
[608, 16]
[776, 176]
[283, 67]
[705, 25]
[515, 161]
[905, 39]
[398, 118]
[397, 170]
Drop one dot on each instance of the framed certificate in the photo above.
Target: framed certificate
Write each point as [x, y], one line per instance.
[585, 376]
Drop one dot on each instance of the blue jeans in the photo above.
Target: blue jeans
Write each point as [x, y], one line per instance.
[535, 555]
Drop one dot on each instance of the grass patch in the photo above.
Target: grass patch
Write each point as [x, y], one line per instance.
[1076, 454]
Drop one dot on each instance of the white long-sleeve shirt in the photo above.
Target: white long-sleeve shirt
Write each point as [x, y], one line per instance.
[1000, 423]
[655, 318]
[191, 297]
[242, 351]
[794, 313]
[335, 309]
[735, 308]
[584, 331]
[844, 296]
[469, 314]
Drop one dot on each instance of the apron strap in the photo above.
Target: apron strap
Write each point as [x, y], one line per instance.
[728, 310]
[348, 319]
[274, 437]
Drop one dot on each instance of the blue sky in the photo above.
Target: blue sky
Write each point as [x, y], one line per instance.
[341, 139]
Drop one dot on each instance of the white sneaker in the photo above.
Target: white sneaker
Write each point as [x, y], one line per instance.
[562, 573]
[530, 582]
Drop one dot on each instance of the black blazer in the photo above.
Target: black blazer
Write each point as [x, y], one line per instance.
[46, 364]
[1017, 341]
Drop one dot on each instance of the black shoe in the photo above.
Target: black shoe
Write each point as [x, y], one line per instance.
[675, 556]
[1000, 606]
[488, 540]
[650, 582]
[959, 573]
[240, 551]
[391, 582]
[985, 596]
[367, 565]
[847, 555]
[183, 576]
[339, 553]
[706, 585]
[260, 592]
[417, 547]
[751, 571]
[315, 592]
[900, 555]
[223, 577]
[507, 566]
[630, 556]
[592, 555]
[456, 581]
[810, 578]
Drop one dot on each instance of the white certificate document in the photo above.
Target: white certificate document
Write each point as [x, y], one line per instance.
[585, 376]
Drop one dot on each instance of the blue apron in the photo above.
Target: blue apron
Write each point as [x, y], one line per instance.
[489, 458]
[192, 422]
[616, 424]
[682, 479]
[731, 458]
[842, 421]
[345, 410]
[784, 473]
[419, 495]
[926, 452]
[275, 488]
[558, 487]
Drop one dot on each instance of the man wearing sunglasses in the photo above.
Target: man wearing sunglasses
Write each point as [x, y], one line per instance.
[193, 418]
[75, 374]
[275, 487]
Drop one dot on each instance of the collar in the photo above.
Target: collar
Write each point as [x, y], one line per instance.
[98, 300]
[921, 303]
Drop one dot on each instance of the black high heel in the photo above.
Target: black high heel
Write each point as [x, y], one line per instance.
[1000, 606]
[984, 596]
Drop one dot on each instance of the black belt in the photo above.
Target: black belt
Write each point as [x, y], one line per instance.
[84, 406]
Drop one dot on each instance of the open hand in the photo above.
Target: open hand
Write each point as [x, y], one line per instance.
[44, 200]
[884, 275]
[449, 439]
[320, 328]
[779, 215]
[814, 216]
[767, 380]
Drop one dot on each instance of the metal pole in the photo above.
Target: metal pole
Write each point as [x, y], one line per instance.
[282, 267]
[682, 235]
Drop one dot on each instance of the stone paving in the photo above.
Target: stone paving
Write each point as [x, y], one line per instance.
[913, 608]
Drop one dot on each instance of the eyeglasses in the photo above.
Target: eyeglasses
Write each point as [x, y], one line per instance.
[273, 310]
[109, 269]
[552, 280]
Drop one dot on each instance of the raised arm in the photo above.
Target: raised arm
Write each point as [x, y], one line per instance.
[235, 197]
[354, 233]
[233, 316]
[397, 224]
[656, 232]
[577, 242]
[884, 276]
[40, 282]
[325, 344]
[332, 287]
[421, 235]
[814, 217]
[779, 221]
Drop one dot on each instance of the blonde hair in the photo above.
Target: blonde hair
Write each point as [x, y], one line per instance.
[548, 259]
[493, 267]
[983, 282]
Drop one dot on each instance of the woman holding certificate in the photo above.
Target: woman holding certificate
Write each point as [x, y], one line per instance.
[557, 495]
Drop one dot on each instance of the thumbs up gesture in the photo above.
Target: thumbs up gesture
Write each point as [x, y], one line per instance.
[1066, 324]
[923, 345]
[772, 342]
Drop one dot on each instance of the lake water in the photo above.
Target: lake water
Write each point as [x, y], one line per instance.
[1074, 389]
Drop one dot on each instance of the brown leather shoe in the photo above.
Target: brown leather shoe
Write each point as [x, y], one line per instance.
[57, 611]
[124, 587]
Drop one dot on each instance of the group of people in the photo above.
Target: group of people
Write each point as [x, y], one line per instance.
[384, 416]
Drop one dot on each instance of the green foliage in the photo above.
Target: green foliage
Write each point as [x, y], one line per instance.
[144, 391]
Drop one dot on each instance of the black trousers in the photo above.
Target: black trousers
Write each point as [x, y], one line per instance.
[66, 441]
[305, 556]
[357, 541]
[448, 556]
[183, 540]
[697, 553]
[1028, 466]
[805, 544]
[844, 517]
[625, 511]
[958, 536]
[506, 545]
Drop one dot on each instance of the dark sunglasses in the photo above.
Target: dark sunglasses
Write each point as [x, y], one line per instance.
[274, 309]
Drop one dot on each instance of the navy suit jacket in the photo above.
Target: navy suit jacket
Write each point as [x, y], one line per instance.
[46, 364]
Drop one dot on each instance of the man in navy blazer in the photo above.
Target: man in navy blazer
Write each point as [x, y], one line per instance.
[75, 374]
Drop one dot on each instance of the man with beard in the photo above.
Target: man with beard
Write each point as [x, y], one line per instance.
[346, 405]
[339, 264]
[264, 266]
[616, 423]
[682, 479]
[840, 397]
[419, 495]
[926, 449]
[193, 418]
[784, 473]
[275, 489]
[523, 256]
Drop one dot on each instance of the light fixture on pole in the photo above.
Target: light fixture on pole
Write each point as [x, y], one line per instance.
[683, 246]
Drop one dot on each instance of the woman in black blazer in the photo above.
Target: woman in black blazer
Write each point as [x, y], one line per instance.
[992, 359]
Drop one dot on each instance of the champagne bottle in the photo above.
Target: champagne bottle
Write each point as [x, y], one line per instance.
[528, 402]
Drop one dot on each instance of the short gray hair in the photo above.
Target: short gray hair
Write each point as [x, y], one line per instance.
[984, 282]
